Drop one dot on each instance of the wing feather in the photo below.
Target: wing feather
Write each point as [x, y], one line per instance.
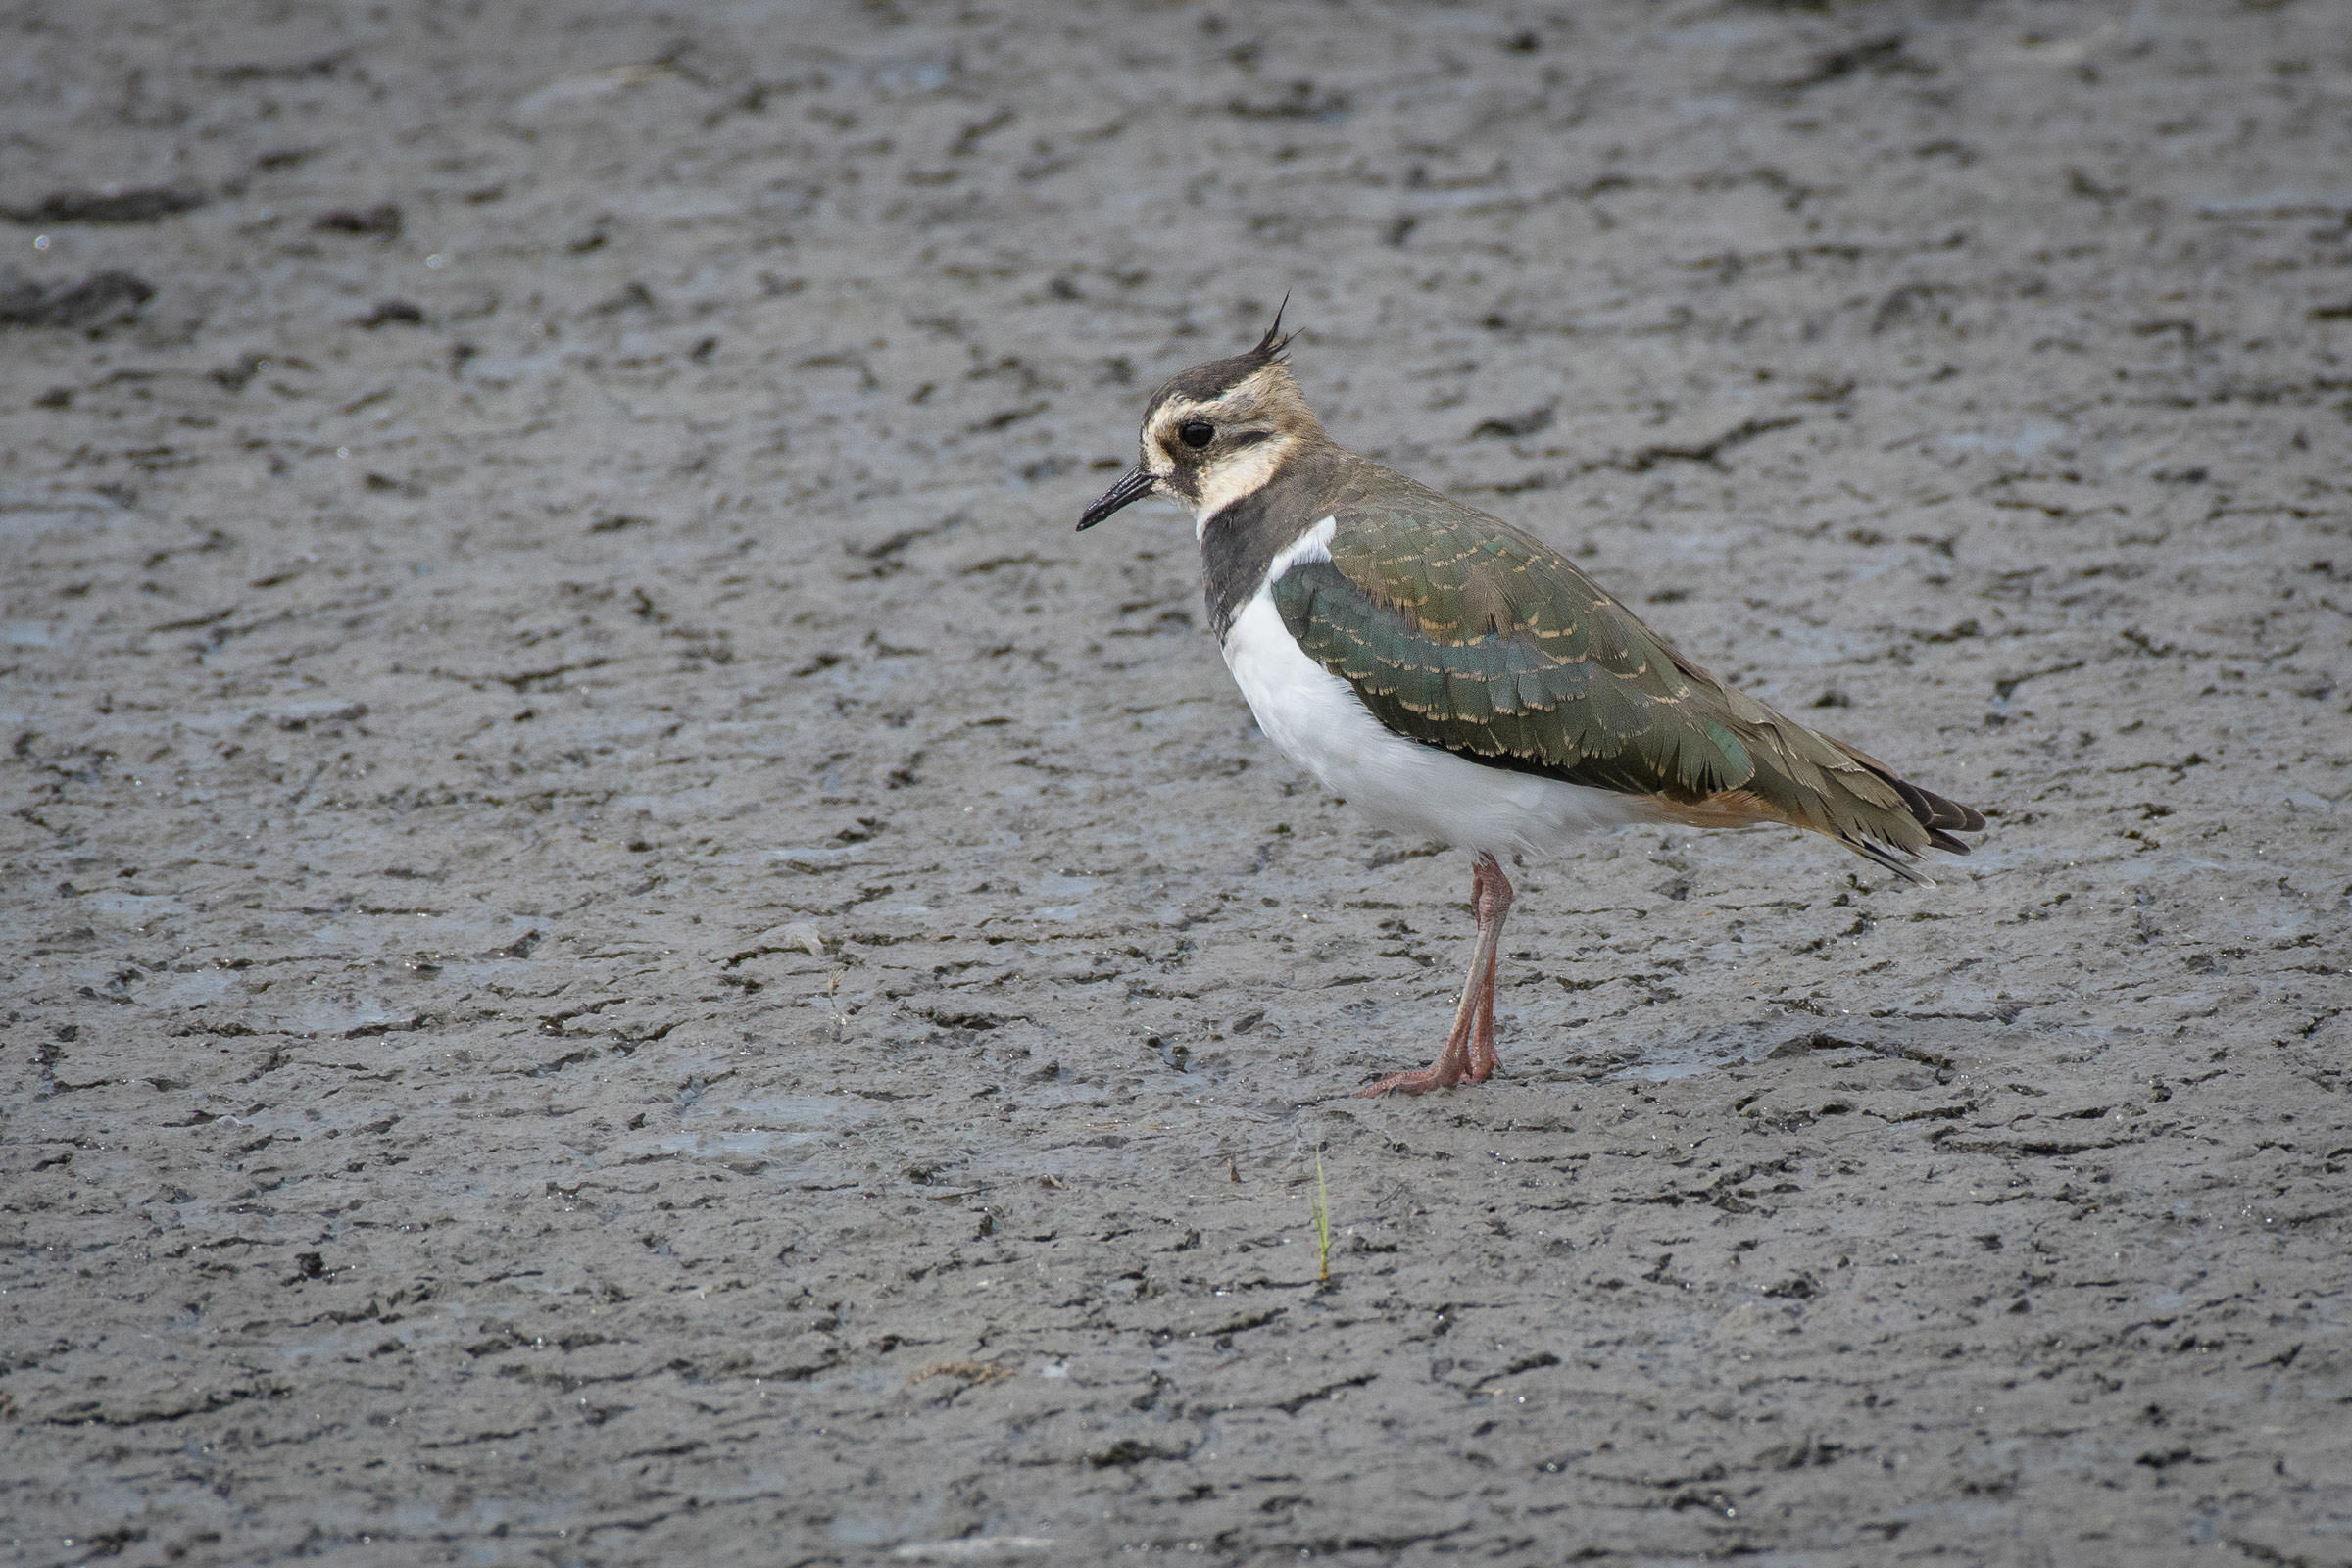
[1464, 633]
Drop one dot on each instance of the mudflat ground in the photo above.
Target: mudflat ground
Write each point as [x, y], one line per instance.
[621, 949]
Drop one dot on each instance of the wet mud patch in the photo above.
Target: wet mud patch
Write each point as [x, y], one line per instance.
[625, 952]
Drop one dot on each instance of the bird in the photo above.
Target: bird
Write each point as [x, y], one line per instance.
[1456, 678]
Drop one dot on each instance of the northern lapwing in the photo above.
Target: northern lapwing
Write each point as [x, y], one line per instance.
[1459, 679]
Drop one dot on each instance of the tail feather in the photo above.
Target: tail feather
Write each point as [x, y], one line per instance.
[1941, 817]
[1888, 858]
[1814, 781]
[1821, 783]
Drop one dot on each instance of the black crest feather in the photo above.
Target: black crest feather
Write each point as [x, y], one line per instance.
[1271, 347]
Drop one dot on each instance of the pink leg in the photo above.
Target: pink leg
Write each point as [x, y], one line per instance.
[1469, 1051]
[1490, 896]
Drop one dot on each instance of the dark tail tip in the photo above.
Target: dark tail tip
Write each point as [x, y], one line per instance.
[1940, 817]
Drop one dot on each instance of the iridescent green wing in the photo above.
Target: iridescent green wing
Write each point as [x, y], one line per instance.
[1460, 631]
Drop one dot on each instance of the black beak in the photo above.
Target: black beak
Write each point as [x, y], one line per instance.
[1133, 486]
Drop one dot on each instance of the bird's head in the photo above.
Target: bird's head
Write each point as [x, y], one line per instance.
[1217, 432]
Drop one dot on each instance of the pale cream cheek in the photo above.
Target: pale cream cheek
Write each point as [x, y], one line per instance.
[1228, 482]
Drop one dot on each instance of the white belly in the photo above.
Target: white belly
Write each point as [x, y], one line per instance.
[1323, 726]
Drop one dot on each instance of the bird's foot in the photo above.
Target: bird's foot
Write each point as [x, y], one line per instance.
[1482, 1060]
[1414, 1082]
[1444, 1074]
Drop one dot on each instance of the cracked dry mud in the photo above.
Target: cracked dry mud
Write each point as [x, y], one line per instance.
[622, 950]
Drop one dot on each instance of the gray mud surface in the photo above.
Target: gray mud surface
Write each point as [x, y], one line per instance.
[621, 949]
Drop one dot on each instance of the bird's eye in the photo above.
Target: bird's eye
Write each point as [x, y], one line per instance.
[1196, 433]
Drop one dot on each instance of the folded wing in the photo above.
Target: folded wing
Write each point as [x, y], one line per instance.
[1462, 632]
